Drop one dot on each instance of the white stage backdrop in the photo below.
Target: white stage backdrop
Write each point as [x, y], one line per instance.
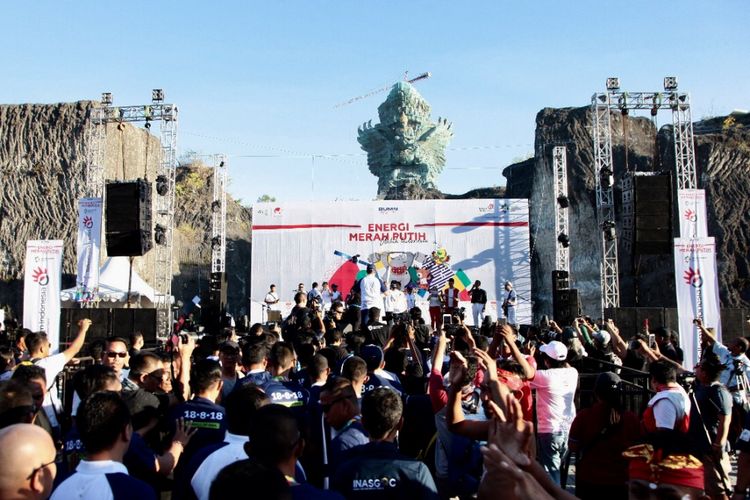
[697, 286]
[691, 204]
[89, 248]
[41, 288]
[422, 243]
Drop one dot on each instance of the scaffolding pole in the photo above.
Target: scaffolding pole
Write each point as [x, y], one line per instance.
[562, 254]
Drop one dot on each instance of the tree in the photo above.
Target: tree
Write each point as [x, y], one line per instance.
[266, 199]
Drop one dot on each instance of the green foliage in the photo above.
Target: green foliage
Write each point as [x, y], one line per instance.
[190, 184]
[266, 199]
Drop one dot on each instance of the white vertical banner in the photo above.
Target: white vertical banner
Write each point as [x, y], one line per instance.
[88, 248]
[697, 287]
[41, 288]
[691, 204]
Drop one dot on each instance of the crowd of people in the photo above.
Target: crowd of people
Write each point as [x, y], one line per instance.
[340, 400]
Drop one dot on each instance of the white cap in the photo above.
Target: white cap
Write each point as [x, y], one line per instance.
[603, 336]
[555, 350]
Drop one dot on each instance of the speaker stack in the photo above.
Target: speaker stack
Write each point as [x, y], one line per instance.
[128, 218]
[566, 305]
[647, 212]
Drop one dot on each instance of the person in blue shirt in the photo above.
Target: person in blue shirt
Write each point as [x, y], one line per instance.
[276, 441]
[201, 413]
[255, 362]
[377, 469]
[280, 389]
[104, 423]
[341, 409]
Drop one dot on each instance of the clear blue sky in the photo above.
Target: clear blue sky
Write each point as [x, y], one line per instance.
[263, 78]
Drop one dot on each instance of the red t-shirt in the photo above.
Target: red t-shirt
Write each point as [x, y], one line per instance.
[601, 460]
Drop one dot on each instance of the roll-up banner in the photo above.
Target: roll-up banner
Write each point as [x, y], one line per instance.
[692, 206]
[697, 286]
[41, 288]
[89, 248]
[417, 243]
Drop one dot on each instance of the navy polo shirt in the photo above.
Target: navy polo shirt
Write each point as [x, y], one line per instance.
[204, 415]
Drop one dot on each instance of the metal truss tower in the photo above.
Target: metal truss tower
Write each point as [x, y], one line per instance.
[560, 164]
[219, 215]
[601, 106]
[166, 115]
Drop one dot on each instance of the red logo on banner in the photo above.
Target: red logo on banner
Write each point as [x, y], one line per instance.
[690, 215]
[40, 276]
[88, 222]
[693, 277]
[277, 211]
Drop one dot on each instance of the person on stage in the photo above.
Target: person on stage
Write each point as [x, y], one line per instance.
[272, 298]
[478, 303]
[509, 304]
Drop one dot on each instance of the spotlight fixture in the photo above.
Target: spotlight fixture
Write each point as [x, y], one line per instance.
[215, 243]
[609, 230]
[563, 201]
[162, 185]
[107, 98]
[160, 235]
[216, 206]
[670, 83]
[221, 164]
[157, 95]
[564, 240]
[613, 84]
[606, 177]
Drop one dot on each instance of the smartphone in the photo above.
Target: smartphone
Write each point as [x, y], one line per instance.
[447, 319]
[651, 340]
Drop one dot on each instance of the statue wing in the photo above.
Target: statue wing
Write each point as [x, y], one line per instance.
[373, 141]
[434, 141]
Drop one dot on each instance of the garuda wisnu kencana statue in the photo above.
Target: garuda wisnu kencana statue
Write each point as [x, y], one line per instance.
[406, 147]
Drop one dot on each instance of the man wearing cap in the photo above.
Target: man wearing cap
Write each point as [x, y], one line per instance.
[376, 375]
[555, 391]
[509, 304]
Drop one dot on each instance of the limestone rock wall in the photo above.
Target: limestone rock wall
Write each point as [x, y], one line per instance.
[723, 161]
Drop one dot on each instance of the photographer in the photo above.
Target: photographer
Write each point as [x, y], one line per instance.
[734, 360]
[710, 415]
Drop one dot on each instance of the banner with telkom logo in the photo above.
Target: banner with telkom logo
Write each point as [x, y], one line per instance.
[41, 288]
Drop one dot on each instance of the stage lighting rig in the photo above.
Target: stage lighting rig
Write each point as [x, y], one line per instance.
[610, 233]
[107, 98]
[157, 96]
[215, 243]
[162, 185]
[613, 84]
[160, 235]
[563, 201]
[606, 177]
[670, 83]
[216, 206]
[564, 240]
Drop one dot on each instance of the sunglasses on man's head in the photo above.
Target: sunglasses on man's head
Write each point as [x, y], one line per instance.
[113, 354]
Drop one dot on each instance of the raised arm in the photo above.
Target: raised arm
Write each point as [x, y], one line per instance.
[77, 344]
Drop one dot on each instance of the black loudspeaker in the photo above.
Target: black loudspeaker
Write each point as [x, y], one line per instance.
[653, 214]
[560, 280]
[128, 218]
[217, 290]
[566, 306]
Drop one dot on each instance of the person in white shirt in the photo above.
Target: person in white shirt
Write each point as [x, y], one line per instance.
[555, 408]
[39, 352]
[240, 406]
[104, 424]
[733, 358]
[272, 299]
[335, 293]
[395, 301]
[371, 293]
[326, 296]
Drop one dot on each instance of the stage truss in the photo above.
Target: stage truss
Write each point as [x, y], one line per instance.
[219, 214]
[560, 164]
[602, 104]
[166, 115]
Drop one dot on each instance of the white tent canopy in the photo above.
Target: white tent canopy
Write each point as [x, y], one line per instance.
[113, 285]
